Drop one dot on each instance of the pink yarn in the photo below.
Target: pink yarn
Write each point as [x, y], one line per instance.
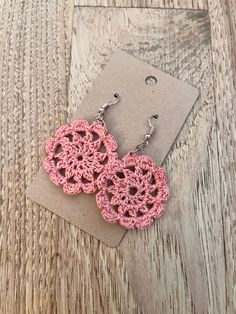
[78, 154]
[132, 191]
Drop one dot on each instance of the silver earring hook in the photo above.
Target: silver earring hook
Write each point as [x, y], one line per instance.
[100, 115]
[147, 137]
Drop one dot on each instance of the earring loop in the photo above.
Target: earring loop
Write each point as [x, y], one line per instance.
[100, 115]
[147, 136]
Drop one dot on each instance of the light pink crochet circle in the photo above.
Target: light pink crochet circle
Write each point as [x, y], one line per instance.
[78, 154]
[132, 191]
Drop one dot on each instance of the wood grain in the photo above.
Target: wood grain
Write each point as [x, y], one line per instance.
[186, 262]
[223, 25]
[171, 259]
[34, 65]
[174, 4]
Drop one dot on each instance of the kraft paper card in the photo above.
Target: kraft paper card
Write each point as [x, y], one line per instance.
[144, 90]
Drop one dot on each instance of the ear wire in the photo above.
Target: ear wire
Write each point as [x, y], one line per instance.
[100, 115]
[147, 137]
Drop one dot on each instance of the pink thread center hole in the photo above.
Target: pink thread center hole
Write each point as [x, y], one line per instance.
[56, 160]
[144, 171]
[70, 137]
[109, 195]
[95, 136]
[149, 206]
[120, 175]
[115, 208]
[110, 182]
[139, 214]
[105, 161]
[152, 181]
[126, 214]
[82, 133]
[96, 175]
[133, 190]
[71, 180]
[154, 193]
[131, 168]
[62, 172]
[58, 149]
[84, 180]
[102, 148]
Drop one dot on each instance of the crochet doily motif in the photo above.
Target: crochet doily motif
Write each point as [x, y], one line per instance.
[132, 191]
[78, 154]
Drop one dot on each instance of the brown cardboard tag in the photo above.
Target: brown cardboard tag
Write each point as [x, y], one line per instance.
[170, 98]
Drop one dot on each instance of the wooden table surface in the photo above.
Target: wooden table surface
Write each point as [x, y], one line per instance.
[50, 53]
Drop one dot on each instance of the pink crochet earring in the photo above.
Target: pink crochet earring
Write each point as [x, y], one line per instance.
[79, 152]
[132, 191]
